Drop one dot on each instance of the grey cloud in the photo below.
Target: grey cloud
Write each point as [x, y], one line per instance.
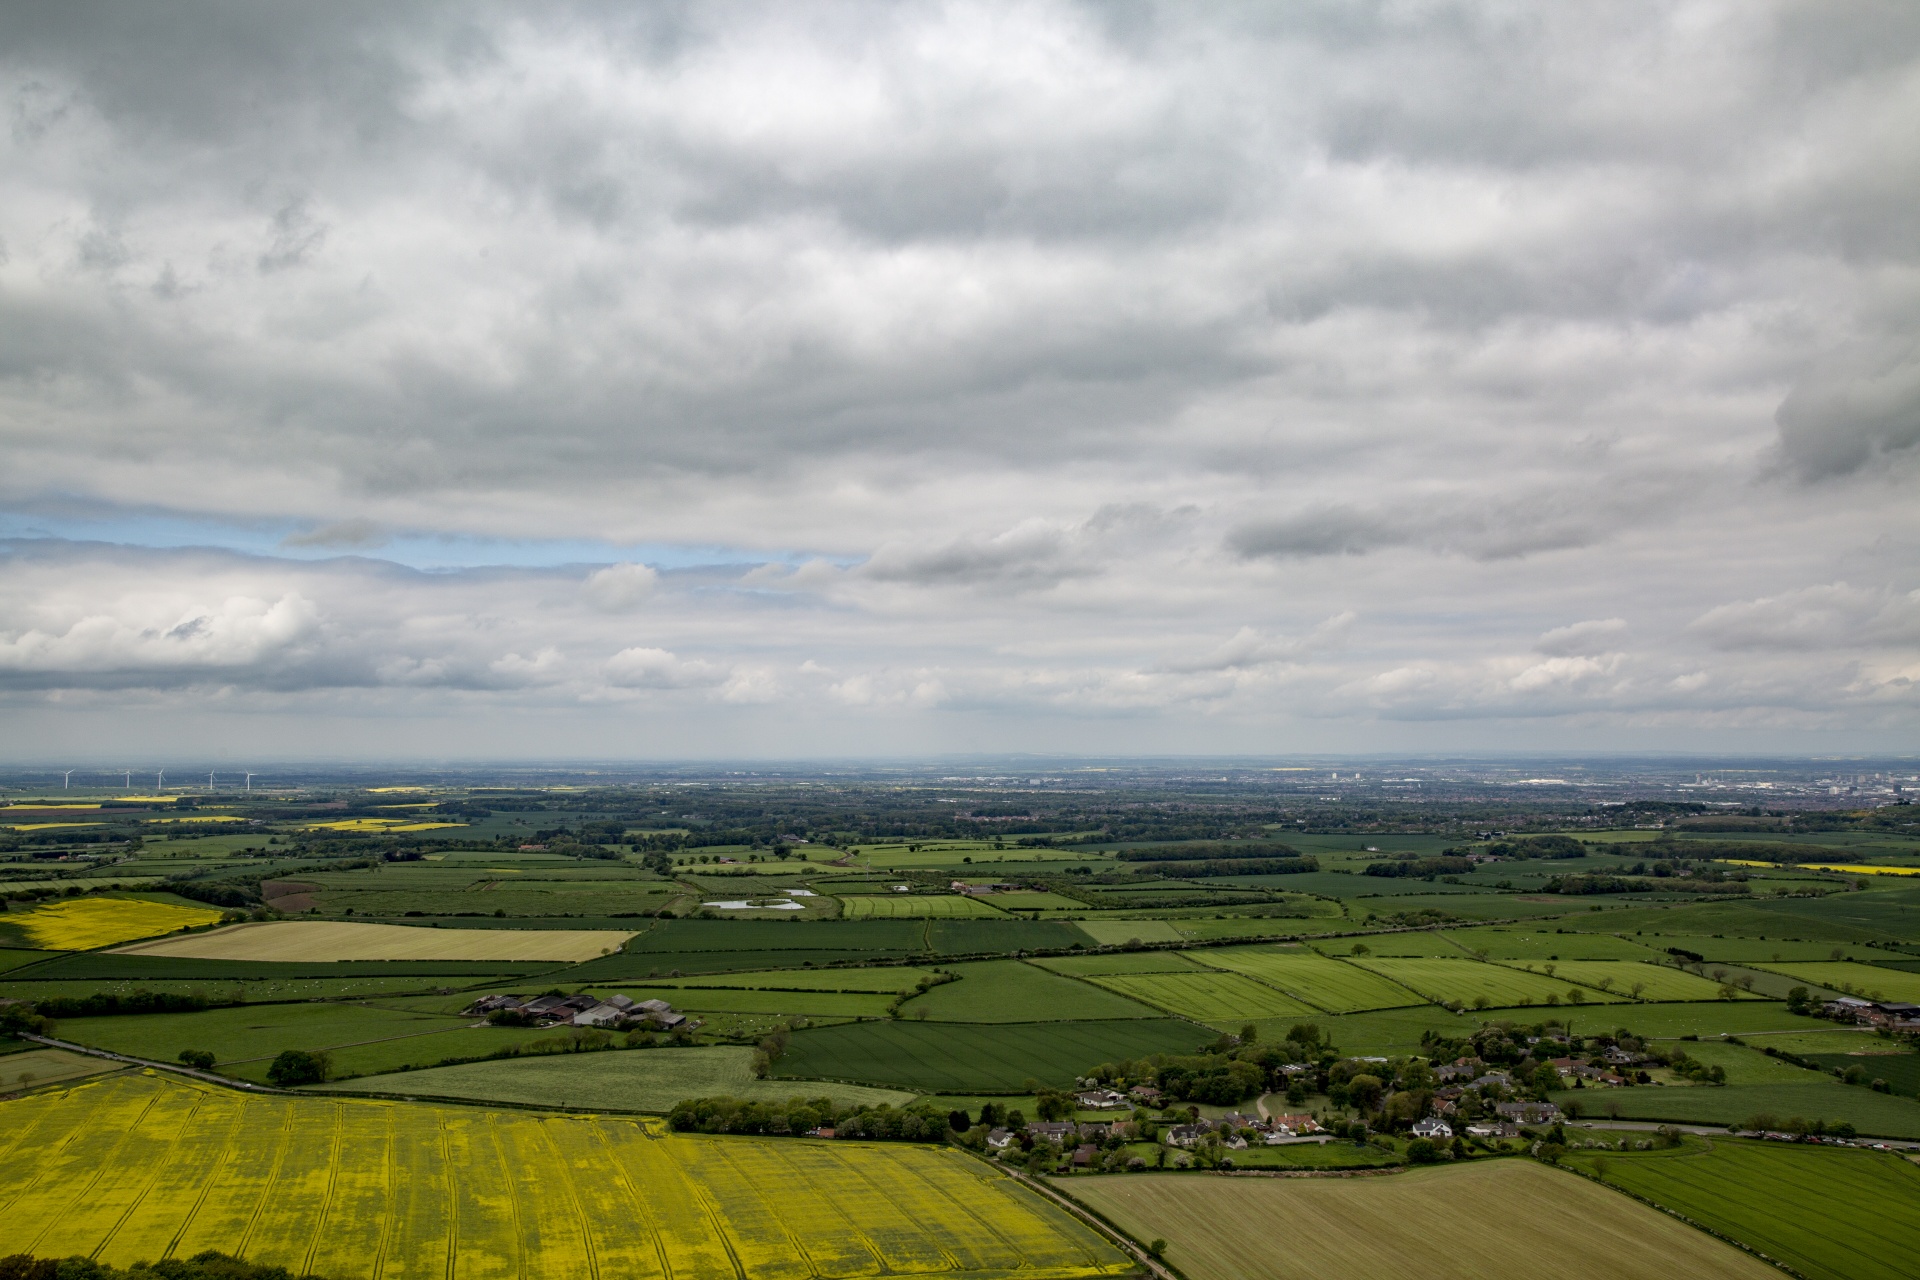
[1495, 531]
[1859, 404]
[1248, 648]
[1835, 616]
[1583, 639]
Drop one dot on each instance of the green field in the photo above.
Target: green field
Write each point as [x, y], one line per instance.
[1460, 1222]
[1828, 1214]
[1901, 1071]
[916, 906]
[1219, 999]
[362, 1039]
[12, 959]
[1633, 979]
[1700, 1018]
[813, 1004]
[1881, 984]
[631, 1080]
[958, 1058]
[1878, 1114]
[1750, 950]
[1118, 933]
[1013, 991]
[1333, 985]
[891, 979]
[1520, 942]
[1471, 981]
[1121, 962]
[1033, 900]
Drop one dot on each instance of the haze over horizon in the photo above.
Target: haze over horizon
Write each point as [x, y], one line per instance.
[802, 381]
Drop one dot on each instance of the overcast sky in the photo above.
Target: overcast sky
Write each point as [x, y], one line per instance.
[787, 380]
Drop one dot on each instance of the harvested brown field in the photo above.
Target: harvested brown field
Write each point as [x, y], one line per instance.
[317, 940]
[289, 896]
[1454, 1222]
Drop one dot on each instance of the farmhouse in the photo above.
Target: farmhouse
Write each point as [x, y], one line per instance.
[1054, 1131]
[1101, 1100]
[1187, 1135]
[1528, 1112]
[1432, 1129]
[1292, 1124]
[999, 1139]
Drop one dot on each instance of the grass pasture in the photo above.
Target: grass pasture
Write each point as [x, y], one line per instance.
[1217, 998]
[318, 940]
[1829, 1214]
[1117, 933]
[812, 1004]
[82, 924]
[1469, 981]
[362, 1039]
[1877, 1114]
[137, 1168]
[1121, 962]
[1840, 975]
[914, 906]
[1335, 986]
[626, 1080]
[963, 1058]
[1526, 942]
[37, 1067]
[1621, 977]
[1014, 991]
[891, 979]
[1493, 1218]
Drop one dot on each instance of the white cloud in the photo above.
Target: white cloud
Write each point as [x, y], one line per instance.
[622, 586]
[648, 668]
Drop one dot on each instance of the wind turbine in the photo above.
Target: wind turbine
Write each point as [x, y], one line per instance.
[249, 783]
[129, 779]
[209, 779]
[66, 780]
[159, 780]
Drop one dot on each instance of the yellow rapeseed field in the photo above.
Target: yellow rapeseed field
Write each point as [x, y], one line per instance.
[316, 940]
[85, 923]
[383, 825]
[138, 1167]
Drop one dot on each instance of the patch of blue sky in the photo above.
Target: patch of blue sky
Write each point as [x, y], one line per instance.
[416, 550]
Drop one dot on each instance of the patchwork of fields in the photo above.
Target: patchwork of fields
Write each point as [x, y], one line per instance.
[964, 1058]
[316, 940]
[878, 906]
[1214, 998]
[1639, 981]
[1336, 986]
[1474, 981]
[136, 1168]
